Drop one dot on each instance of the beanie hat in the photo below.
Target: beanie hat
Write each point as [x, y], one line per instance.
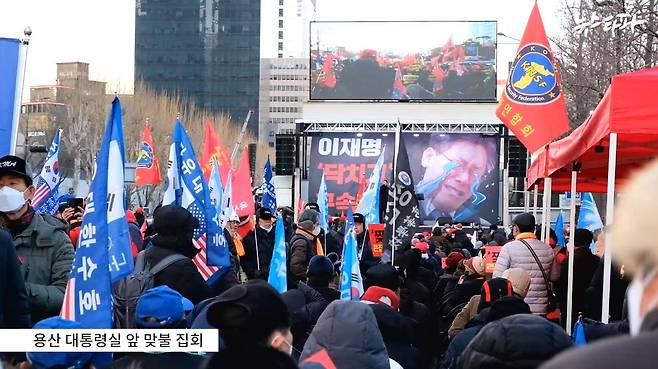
[494, 289]
[384, 296]
[320, 267]
[453, 259]
[475, 265]
[383, 275]
[507, 306]
[583, 237]
[422, 246]
[309, 215]
[520, 280]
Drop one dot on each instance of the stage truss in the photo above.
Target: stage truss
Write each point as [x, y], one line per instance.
[314, 127]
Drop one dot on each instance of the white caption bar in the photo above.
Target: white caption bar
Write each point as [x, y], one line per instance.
[109, 340]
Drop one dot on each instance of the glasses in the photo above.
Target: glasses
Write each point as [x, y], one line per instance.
[473, 171]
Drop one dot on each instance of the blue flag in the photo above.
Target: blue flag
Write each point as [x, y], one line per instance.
[323, 203]
[278, 277]
[186, 187]
[269, 196]
[579, 338]
[103, 252]
[11, 72]
[369, 204]
[589, 217]
[351, 283]
[46, 196]
[559, 230]
[215, 187]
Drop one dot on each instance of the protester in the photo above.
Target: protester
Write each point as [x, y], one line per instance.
[304, 245]
[520, 281]
[259, 245]
[492, 290]
[462, 240]
[14, 303]
[585, 264]
[363, 243]
[501, 308]
[42, 244]
[72, 215]
[632, 248]
[448, 280]
[174, 227]
[521, 341]
[319, 275]
[254, 324]
[348, 331]
[383, 200]
[516, 254]
[160, 307]
[305, 305]
[136, 239]
[57, 360]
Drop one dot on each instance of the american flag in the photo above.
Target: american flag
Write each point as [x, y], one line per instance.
[199, 240]
[46, 197]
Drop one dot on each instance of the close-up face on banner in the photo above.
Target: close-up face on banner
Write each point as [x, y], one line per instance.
[457, 176]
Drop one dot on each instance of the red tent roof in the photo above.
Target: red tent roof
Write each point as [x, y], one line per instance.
[629, 108]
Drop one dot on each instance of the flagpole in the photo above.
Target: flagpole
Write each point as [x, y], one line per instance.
[395, 189]
[236, 148]
[256, 241]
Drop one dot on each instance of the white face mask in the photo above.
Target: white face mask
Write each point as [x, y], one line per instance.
[11, 200]
[634, 300]
[316, 230]
[267, 229]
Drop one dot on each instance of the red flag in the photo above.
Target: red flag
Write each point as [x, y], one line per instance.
[213, 147]
[243, 199]
[362, 188]
[448, 45]
[327, 77]
[533, 106]
[148, 170]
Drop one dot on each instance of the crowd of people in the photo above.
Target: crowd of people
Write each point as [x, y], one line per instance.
[436, 306]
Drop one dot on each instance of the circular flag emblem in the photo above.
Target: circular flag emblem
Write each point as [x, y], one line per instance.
[56, 167]
[405, 178]
[145, 159]
[533, 78]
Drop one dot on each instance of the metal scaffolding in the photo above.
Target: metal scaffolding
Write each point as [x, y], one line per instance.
[315, 126]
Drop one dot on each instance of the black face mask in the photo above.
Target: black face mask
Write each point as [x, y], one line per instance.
[17, 226]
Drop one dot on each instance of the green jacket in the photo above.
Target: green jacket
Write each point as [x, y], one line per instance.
[46, 253]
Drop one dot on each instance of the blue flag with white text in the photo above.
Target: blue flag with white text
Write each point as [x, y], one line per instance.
[278, 277]
[589, 217]
[269, 195]
[46, 196]
[369, 204]
[351, 283]
[11, 71]
[323, 203]
[185, 186]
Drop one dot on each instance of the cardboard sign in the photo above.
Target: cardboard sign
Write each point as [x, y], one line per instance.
[490, 257]
[376, 233]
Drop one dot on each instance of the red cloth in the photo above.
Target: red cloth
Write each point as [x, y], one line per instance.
[328, 77]
[148, 169]
[243, 199]
[541, 119]
[422, 246]
[628, 108]
[74, 234]
[453, 259]
[213, 147]
[383, 296]
[130, 216]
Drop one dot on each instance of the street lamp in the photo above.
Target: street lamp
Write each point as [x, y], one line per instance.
[506, 36]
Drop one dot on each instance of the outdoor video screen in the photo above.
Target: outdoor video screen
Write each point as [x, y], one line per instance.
[456, 174]
[426, 61]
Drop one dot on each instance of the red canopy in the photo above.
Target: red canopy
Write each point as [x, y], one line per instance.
[628, 108]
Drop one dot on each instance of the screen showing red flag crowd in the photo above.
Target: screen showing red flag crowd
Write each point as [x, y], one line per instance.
[456, 175]
[454, 61]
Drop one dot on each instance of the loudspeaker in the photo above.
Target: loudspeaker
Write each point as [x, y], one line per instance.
[286, 155]
[516, 159]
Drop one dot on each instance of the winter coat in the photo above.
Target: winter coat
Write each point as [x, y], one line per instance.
[14, 304]
[334, 242]
[329, 294]
[136, 239]
[303, 247]
[585, 264]
[468, 313]
[255, 357]
[182, 276]
[398, 334]
[516, 255]
[45, 251]
[462, 339]
[517, 341]
[367, 260]
[265, 249]
[348, 331]
[621, 352]
[305, 305]
[463, 242]
[594, 294]
[445, 284]
[163, 360]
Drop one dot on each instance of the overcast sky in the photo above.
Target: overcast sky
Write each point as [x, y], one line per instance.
[101, 32]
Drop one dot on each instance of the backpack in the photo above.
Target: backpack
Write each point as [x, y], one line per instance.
[126, 292]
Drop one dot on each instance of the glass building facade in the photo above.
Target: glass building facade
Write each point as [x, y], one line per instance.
[204, 50]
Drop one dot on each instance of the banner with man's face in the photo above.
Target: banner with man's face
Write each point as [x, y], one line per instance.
[457, 175]
[345, 158]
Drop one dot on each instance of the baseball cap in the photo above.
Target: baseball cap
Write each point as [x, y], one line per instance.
[47, 360]
[11, 164]
[313, 205]
[380, 295]
[264, 213]
[163, 303]
[247, 314]
[359, 218]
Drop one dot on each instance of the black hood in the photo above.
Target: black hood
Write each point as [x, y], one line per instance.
[393, 325]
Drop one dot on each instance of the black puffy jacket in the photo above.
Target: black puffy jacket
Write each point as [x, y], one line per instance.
[522, 341]
[265, 241]
[398, 333]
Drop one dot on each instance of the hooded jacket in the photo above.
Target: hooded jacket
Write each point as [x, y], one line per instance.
[516, 255]
[348, 331]
[182, 276]
[14, 305]
[398, 333]
[46, 254]
[518, 341]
